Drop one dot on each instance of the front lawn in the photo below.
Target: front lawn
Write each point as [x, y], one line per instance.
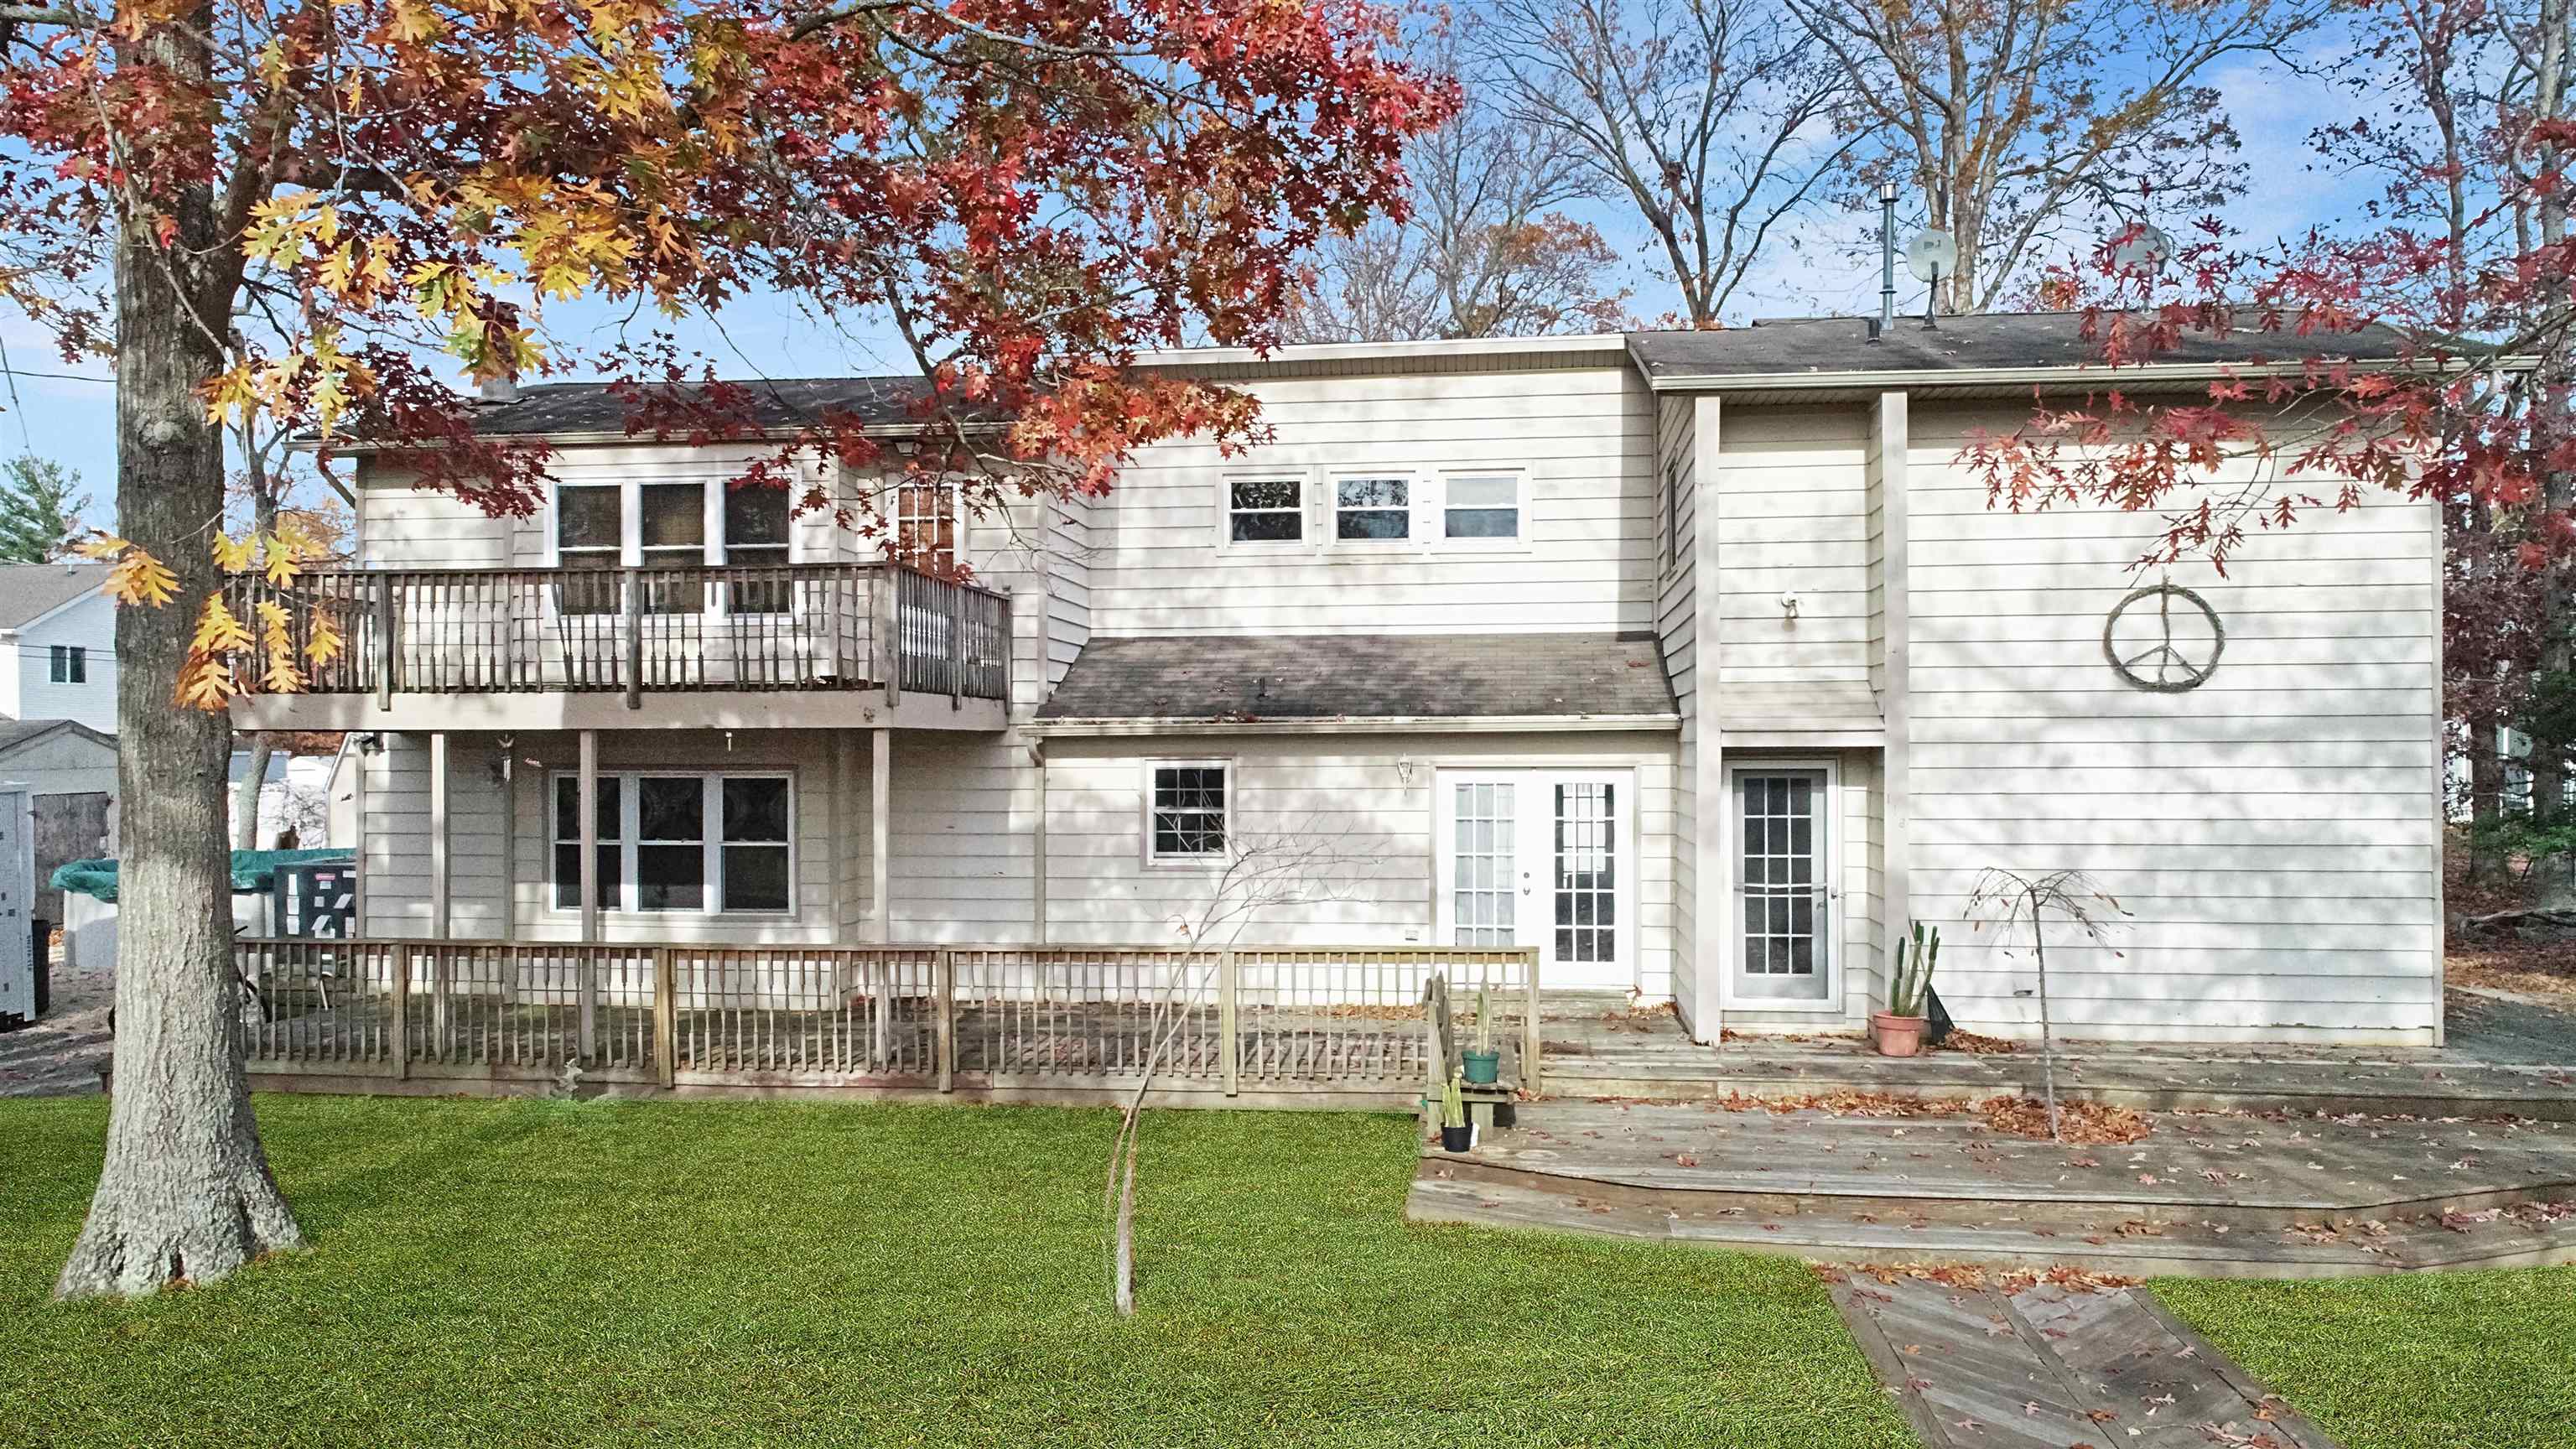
[736, 1274]
[2411, 1361]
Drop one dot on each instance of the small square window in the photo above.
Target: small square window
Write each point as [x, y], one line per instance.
[1373, 509]
[1482, 505]
[1265, 510]
[1187, 820]
[69, 663]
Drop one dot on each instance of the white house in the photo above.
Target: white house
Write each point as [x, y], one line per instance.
[1696, 660]
[57, 644]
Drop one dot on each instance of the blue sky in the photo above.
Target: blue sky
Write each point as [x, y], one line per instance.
[73, 421]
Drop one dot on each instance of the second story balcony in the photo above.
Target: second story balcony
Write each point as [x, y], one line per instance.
[620, 647]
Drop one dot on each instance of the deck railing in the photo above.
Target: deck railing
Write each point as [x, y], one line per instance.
[633, 630]
[1014, 1019]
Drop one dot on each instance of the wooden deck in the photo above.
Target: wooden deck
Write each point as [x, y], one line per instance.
[2206, 1194]
[2501, 1061]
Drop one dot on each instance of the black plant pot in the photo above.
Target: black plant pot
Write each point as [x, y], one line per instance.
[1457, 1139]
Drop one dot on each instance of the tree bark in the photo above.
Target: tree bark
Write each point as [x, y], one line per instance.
[185, 1194]
[246, 794]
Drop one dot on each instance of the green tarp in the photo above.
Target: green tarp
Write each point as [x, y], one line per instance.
[253, 870]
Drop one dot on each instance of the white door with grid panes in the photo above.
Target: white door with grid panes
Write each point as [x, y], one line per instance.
[1544, 858]
[1784, 896]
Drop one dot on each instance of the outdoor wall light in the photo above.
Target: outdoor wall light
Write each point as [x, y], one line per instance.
[1404, 769]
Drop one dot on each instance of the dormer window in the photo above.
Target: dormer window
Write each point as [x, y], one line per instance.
[1266, 510]
[1372, 509]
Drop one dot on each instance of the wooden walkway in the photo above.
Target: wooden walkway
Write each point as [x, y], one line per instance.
[2211, 1195]
[2048, 1369]
[2504, 1060]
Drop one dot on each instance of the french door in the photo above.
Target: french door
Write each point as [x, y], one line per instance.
[1543, 858]
[1783, 818]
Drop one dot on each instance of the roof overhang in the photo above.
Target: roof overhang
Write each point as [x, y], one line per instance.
[1373, 725]
[1999, 381]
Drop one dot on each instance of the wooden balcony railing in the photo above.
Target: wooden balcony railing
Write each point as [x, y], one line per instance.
[1269, 1022]
[630, 630]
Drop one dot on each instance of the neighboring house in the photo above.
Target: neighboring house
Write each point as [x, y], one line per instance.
[295, 807]
[1696, 661]
[57, 644]
[70, 769]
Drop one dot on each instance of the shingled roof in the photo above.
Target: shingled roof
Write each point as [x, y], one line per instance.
[572, 408]
[1985, 342]
[30, 591]
[1250, 680]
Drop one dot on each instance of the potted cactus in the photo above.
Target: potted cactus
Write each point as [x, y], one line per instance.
[1898, 1031]
[1455, 1134]
[1482, 1063]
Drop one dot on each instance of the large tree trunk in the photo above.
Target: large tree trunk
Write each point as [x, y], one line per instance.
[185, 1194]
[246, 794]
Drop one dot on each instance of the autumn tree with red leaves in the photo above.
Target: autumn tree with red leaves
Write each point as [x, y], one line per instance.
[2455, 281]
[309, 213]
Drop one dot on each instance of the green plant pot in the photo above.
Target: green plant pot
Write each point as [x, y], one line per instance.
[1483, 1068]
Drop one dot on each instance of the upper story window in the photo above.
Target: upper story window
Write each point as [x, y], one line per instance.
[70, 664]
[671, 842]
[1185, 816]
[1265, 510]
[664, 526]
[1372, 509]
[925, 526]
[1481, 506]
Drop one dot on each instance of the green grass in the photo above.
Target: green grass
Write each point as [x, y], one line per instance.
[2414, 1361]
[507, 1273]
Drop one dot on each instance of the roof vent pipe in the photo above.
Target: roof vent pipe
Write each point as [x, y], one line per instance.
[1886, 257]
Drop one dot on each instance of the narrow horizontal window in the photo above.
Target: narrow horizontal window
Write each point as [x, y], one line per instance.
[1373, 508]
[1482, 506]
[1265, 510]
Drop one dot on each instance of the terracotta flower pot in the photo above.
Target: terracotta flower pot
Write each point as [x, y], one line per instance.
[1895, 1036]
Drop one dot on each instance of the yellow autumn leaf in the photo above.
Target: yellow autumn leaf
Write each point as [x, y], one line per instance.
[139, 578]
[219, 631]
[205, 683]
[232, 555]
[322, 642]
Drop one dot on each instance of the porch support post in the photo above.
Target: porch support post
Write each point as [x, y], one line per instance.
[1713, 913]
[1888, 428]
[441, 875]
[400, 966]
[944, 976]
[880, 833]
[589, 806]
[666, 1016]
[1229, 1007]
[588, 803]
[508, 745]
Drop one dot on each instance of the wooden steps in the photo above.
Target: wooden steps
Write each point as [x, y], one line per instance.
[2227, 1195]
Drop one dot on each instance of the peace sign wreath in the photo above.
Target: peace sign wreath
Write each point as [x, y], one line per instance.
[2163, 667]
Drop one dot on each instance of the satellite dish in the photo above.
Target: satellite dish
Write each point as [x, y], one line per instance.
[2146, 250]
[1931, 254]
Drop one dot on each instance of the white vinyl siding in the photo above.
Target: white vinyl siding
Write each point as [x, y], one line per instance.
[1581, 437]
[88, 625]
[2273, 831]
[1792, 519]
[1344, 808]
[1676, 626]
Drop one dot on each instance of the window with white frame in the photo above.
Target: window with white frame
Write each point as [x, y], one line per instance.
[676, 842]
[925, 526]
[69, 664]
[1372, 509]
[1186, 812]
[756, 518]
[663, 526]
[1265, 510]
[1481, 506]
